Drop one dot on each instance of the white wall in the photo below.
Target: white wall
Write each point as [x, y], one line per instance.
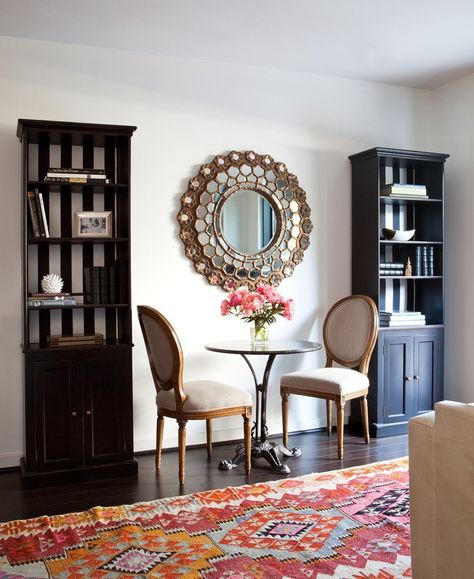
[187, 112]
[454, 119]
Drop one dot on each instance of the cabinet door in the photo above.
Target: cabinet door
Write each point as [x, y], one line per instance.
[57, 413]
[104, 385]
[397, 371]
[427, 370]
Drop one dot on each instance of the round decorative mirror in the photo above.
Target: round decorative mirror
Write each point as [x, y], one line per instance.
[244, 220]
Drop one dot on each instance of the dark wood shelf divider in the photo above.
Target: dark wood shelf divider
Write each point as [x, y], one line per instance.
[78, 398]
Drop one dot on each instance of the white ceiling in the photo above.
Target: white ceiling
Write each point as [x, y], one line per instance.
[418, 43]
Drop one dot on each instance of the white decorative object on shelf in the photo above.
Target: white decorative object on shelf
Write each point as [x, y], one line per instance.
[397, 234]
[52, 283]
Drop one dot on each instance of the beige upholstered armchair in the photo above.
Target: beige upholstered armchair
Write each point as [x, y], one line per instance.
[183, 401]
[441, 450]
[349, 332]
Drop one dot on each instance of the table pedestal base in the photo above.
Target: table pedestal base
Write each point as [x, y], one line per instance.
[270, 451]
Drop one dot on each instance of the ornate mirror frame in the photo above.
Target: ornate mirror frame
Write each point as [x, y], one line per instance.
[200, 220]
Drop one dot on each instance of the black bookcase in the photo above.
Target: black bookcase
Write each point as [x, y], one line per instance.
[406, 371]
[78, 398]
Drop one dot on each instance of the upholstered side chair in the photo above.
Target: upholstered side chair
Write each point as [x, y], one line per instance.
[183, 401]
[349, 333]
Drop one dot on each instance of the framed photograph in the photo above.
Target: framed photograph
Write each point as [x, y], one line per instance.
[92, 224]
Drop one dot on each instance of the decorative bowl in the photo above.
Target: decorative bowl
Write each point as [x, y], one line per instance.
[398, 234]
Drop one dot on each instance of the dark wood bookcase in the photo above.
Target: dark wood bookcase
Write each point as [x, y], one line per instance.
[78, 399]
[406, 371]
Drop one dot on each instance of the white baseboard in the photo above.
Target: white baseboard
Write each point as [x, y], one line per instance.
[9, 459]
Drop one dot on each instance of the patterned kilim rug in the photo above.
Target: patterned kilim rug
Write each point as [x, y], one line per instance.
[351, 523]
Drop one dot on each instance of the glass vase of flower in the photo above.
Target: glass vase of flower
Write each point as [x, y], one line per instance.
[258, 307]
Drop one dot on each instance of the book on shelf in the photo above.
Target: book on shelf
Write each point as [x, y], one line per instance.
[408, 195]
[404, 190]
[391, 265]
[401, 318]
[76, 176]
[400, 323]
[391, 269]
[75, 340]
[101, 284]
[417, 266]
[400, 313]
[43, 222]
[78, 180]
[430, 260]
[75, 172]
[91, 285]
[391, 273]
[424, 261]
[42, 295]
[34, 214]
[49, 302]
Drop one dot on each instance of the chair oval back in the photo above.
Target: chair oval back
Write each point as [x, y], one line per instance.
[163, 348]
[350, 332]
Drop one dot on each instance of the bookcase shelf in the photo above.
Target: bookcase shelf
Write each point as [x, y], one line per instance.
[75, 240]
[119, 187]
[78, 398]
[78, 307]
[406, 370]
[107, 346]
[411, 277]
[406, 200]
[410, 242]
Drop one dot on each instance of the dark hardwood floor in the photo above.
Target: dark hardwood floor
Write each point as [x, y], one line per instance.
[319, 454]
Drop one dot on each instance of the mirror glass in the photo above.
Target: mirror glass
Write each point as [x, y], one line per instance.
[247, 221]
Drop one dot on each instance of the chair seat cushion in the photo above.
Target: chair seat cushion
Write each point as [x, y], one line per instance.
[205, 395]
[339, 381]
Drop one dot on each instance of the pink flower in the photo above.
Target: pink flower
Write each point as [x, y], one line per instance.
[251, 302]
[289, 309]
[270, 293]
[225, 307]
[235, 297]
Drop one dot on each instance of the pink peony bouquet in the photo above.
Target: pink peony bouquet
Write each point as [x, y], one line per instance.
[260, 306]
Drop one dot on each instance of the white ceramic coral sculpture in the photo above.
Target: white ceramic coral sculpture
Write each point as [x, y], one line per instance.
[52, 283]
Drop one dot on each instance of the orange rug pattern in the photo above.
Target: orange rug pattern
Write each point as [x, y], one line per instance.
[351, 523]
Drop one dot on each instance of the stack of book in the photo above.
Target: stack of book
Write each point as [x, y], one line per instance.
[86, 176]
[39, 222]
[57, 341]
[50, 300]
[424, 260]
[101, 284]
[401, 318]
[403, 190]
[391, 268]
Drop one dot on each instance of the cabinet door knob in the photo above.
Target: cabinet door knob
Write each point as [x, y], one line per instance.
[88, 412]
[407, 379]
[416, 377]
[74, 413]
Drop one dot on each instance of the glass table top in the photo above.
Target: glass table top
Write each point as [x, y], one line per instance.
[268, 347]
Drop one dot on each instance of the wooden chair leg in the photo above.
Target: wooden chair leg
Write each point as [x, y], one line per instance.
[284, 417]
[340, 404]
[365, 418]
[182, 449]
[159, 439]
[209, 436]
[329, 416]
[247, 442]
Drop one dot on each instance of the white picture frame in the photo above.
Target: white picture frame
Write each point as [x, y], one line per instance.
[92, 224]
